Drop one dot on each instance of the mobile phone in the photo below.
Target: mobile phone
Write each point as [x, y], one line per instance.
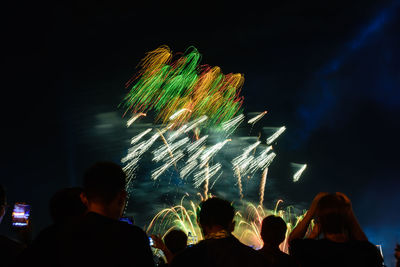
[20, 215]
[127, 219]
[151, 241]
[192, 239]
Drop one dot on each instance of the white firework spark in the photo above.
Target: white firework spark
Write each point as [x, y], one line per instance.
[273, 137]
[157, 172]
[133, 118]
[211, 151]
[178, 113]
[257, 118]
[299, 172]
[196, 144]
[188, 168]
[206, 173]
[195, 123]
[174, 135]
[166, 149]
[139, 136]
[232, 124]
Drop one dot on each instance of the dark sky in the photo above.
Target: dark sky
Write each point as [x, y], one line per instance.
[329, 71]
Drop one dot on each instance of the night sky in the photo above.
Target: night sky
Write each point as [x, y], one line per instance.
[328, 71]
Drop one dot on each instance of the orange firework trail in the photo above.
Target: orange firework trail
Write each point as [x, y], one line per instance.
[134, 117]
[166, 87]
[262, 185]
[257, 118]
[206, 182]
[239, 182]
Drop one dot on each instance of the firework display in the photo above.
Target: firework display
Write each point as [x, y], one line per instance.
[192, 142]
[182, 89]
[248, 222]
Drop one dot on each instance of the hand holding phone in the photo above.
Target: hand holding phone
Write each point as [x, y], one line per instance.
[127, 219]
[20, 215]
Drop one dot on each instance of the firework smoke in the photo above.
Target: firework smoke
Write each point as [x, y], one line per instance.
[197, 111]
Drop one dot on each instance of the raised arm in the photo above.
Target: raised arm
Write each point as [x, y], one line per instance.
[316, 230]
[159, 243]
[301, 228]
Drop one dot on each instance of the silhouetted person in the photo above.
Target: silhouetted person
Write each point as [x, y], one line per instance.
[9, 249]
[100, 239]
[397, 255]
[338, 239]
[66, 206]
[66, 209]
[219, 247]
[175, 241]
[273, 233]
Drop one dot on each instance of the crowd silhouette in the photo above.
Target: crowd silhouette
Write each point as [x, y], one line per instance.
[87, 231]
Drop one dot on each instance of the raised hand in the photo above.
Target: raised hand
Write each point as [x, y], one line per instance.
[157, 242]
[314, 203]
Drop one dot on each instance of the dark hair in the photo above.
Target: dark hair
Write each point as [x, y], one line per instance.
[273, 230]
[216, 211]
[175, 241]
[2, 196]
[332, 213]
[103, 181]
[66, 203]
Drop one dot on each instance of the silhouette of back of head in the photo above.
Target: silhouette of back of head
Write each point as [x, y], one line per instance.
[66, 204]
[2, 202]
[2, 196]
[273, 230]
[103, 181]
[332, 213]
[175, 241]
[216, 212]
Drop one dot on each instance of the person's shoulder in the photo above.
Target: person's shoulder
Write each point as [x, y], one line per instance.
[307, 246]
[246, 248]
[194, 254]
[363, 246]
[195, 249]
[286, 259]
[131, 234]
[48, 232]
[277, 258]
[6, 241]
[9, 250]
[305, 242]
[363, 243]
[92, 224]
[367, 251]
[130, 228]
[251, 255]
[8, 245]
[283, 255]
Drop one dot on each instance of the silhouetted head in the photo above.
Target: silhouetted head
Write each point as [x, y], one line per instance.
[3, 202]
[216, 213]
[175, 241]
[2, 196]
[103, 181]
[332, 214]
[66, 205]
[273, 230]
[104, 185]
